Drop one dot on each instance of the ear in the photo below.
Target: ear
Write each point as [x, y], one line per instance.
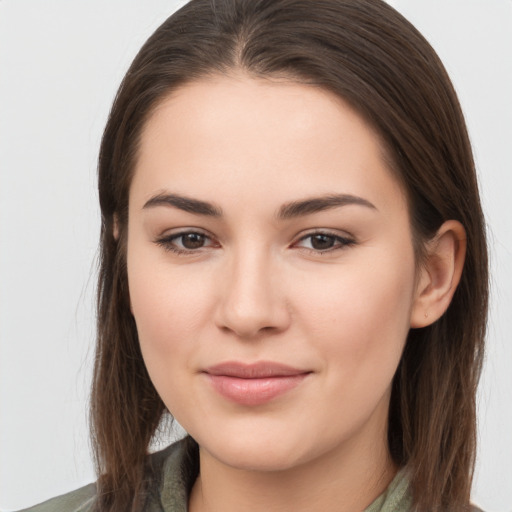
[115, 226]
[440, 274]
[115, 232]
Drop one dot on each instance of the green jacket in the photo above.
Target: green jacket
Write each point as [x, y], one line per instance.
[178, 471]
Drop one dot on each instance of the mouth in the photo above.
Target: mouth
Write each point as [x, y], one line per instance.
[254, 384]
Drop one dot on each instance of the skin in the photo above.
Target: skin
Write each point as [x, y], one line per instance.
[258, 288]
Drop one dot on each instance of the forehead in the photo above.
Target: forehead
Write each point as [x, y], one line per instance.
[246, 136]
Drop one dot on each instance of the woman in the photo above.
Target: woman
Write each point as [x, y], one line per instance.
[293, 266]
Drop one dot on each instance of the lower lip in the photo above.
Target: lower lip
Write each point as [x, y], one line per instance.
[254, 391]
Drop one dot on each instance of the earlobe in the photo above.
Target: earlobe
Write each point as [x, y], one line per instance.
[440, 274]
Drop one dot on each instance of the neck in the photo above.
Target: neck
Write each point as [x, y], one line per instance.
[346, 479]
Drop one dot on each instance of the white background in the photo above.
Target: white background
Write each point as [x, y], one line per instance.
[60, 65]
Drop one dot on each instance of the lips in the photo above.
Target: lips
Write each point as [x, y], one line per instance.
[253, 384]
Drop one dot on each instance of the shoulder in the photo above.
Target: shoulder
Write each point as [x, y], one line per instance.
[80, 500]
[173, 471]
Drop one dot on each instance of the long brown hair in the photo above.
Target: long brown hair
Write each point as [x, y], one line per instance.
[369, 55]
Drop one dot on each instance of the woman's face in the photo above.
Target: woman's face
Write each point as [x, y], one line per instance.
[271, 271]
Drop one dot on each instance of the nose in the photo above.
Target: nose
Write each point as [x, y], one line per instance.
[252, 297]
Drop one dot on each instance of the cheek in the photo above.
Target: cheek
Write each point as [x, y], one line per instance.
[168, 316]
[358, 323]
[168, 304]
[361, 316]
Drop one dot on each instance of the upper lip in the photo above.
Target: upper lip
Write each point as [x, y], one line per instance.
[259, 370]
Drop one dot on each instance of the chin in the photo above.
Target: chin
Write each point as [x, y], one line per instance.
[257, 460]
[254, 452]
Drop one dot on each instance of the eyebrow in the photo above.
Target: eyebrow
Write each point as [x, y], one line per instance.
[287, 211]
[320, 204]
[186, 204]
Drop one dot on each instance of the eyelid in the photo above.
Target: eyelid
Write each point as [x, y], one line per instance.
[344, 240]
[167, 240]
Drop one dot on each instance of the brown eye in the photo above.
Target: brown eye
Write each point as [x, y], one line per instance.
[192, 240]
[186, 242]
[322, 242]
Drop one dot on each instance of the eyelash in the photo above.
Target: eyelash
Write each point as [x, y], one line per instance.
[341, 242]
[168, 242]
